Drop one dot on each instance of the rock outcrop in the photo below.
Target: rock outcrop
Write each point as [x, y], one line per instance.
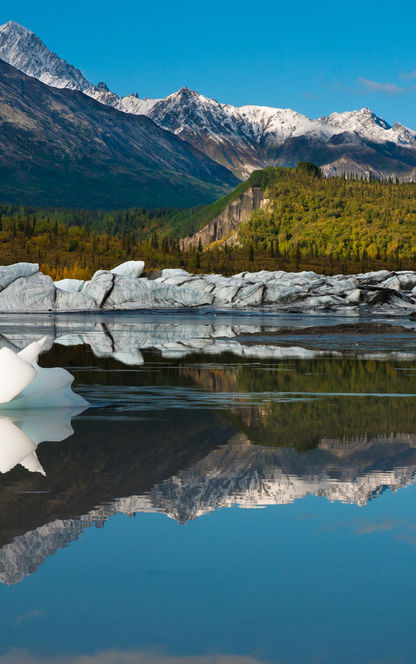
[236, 213]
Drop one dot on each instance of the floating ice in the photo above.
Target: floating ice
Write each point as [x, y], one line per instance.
[24, 384]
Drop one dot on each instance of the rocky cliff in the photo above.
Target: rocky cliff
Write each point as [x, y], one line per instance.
[229, 220]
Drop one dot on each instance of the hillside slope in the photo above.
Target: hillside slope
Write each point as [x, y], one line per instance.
[62, 148]
[300, 213]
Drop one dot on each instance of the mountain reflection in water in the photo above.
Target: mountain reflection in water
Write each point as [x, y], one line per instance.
[183, 436]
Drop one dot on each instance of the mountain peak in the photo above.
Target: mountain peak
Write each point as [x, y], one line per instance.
[240, 138]
[102, 86]
[367, 113]
[186, 93]
[13, 26]
[23, 49]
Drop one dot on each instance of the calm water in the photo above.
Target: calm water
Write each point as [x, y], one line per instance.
[241, 491]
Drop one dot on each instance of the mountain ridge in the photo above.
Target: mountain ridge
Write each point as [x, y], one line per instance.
[243, 138]
[61, 147]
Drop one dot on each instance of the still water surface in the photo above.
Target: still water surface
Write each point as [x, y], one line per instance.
[240, 491]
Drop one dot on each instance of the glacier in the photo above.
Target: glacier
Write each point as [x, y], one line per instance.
[25, 289]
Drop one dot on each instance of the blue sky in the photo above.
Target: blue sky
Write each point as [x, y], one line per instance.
[315, 57]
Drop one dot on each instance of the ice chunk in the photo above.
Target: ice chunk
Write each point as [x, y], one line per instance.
[15, 374]
[33, 293]
[23, 384]
[9, 273]
[99, 287]
[70, 285]
[129, 269]
[74, 301]
[31, 353]
[174, 272]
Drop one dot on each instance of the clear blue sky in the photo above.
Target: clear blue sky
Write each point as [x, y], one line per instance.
[315, 57]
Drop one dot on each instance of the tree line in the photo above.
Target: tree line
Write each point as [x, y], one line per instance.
[324, 224]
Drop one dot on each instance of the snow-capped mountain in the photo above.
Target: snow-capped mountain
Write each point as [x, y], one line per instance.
[251, 137]
[85, 154]
[22, 49]
[240, 138]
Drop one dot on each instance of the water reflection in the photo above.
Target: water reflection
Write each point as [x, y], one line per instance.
[125, 337]
[22, 431]
[171, 431]
[184, 465]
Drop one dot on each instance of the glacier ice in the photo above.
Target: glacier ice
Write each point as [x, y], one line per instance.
[70, 285]
[129, 269]
[24, 289]
[24, 384]
[16, 374]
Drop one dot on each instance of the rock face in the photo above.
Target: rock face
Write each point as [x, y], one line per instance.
[27, 290]
[236, 212]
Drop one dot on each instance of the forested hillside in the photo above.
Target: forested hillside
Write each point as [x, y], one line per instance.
[310, 222]
[348, 219]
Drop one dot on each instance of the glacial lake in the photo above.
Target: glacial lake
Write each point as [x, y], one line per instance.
[241, 490]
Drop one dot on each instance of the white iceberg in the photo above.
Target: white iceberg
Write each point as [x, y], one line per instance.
[24, 384]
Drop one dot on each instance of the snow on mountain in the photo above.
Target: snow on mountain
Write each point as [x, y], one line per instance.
[22, 49]
[241, 138]
[251, 137]
[365, 123]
